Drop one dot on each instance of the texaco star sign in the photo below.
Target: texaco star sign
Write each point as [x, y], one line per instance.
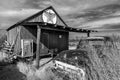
[49, 16]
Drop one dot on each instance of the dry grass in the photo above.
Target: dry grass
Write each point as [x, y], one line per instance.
[102, 64]
[43, 73]
[104, 61]
[28, 70]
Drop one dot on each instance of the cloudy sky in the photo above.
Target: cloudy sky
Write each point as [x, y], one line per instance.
[100, 15]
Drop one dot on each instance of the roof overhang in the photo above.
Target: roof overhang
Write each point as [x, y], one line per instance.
[49, 26]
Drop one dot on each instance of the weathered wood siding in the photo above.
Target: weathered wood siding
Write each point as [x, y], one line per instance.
[29, 32]
[13, 37]
[17, 47]
[55, 39]
[50, 39]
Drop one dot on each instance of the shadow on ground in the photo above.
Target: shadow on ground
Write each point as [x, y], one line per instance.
[10, 72]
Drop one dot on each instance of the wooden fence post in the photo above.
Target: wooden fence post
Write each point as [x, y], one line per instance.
[38, 46]
[88, 34]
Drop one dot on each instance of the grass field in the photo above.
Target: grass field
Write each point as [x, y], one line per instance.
[103, 63]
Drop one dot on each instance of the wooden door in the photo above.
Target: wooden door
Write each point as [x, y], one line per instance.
[27, 47]
[55, 39]
[63, 41]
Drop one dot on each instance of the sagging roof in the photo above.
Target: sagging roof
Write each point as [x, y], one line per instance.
[52, 26]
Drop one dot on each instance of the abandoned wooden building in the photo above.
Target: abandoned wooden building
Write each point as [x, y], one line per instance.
[44, 30]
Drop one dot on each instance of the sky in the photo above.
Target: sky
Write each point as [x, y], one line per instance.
[101, 15]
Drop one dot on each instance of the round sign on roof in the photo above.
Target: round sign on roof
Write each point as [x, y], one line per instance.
[49, 16]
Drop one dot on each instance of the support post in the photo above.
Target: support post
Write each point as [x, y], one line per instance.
[38, 46]
[88, 34]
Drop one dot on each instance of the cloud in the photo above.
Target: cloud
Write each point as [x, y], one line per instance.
[100, 18]
[101, 23]
[10, 17]
[18, 13]
[14, 10]
[11, 4]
